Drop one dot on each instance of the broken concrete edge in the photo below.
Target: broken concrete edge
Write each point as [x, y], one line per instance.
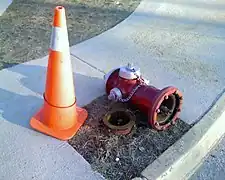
[181, 159]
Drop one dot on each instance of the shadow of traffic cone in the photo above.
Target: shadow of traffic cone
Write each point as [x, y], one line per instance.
[59, 116]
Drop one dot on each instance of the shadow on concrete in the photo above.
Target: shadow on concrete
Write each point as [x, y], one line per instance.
[18, 109]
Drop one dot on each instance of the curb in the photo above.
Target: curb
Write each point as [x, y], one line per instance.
[4, 4]
[182, 159]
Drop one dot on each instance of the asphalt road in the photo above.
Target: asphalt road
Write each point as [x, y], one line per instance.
[213, 167]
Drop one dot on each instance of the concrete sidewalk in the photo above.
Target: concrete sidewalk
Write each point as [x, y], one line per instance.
[26, 154]
[4, 4]
[178, 43]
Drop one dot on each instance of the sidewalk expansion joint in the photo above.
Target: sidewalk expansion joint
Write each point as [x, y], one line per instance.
[101, 71]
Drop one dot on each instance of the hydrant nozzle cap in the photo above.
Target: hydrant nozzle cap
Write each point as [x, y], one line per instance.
[115, 94]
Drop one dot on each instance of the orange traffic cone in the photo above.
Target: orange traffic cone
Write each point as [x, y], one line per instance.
[59, 116]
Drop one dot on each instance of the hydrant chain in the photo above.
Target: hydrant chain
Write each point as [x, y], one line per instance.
[130, 95]
[142, 82]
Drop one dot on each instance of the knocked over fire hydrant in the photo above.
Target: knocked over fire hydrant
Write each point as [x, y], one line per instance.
[162, 107]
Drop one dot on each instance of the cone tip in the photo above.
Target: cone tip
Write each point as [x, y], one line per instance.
[59, 8]
[59, 17]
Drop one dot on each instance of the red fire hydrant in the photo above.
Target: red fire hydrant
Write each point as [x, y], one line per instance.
[126, 84]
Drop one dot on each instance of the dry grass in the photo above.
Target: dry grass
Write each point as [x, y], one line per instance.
[135, 151]
[25, 27]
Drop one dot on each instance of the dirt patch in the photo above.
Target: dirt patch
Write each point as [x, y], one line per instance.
[25, 27]
[120, 157]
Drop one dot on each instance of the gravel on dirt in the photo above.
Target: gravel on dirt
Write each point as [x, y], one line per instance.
[121, 157]
[25, 27]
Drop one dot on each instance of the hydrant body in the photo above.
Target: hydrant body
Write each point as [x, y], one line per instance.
[162, 107]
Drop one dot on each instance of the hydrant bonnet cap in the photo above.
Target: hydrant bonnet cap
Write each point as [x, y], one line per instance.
[129, 72]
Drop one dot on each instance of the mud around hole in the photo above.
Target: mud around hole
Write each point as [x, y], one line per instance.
[135, 150]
